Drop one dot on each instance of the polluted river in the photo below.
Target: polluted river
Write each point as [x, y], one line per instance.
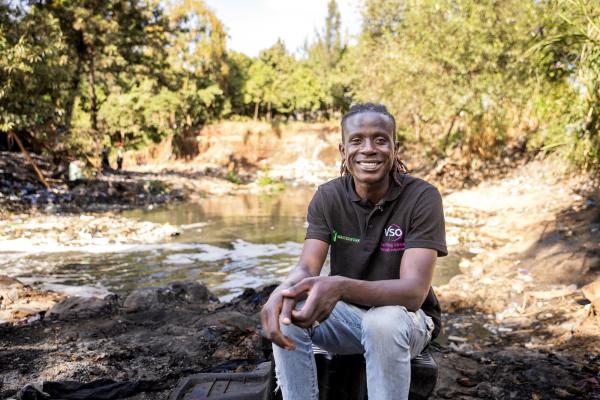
[228, 243]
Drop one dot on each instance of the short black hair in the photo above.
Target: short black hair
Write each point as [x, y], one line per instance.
[359, 108]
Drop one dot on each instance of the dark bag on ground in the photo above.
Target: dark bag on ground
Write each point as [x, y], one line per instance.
[102, 389]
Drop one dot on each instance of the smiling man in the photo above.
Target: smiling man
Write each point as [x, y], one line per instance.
[384, 229]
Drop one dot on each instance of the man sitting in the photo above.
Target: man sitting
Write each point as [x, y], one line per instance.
[384, 229]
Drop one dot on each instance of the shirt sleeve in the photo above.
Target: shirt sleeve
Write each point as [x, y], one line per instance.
[427, 227]
[318, 228]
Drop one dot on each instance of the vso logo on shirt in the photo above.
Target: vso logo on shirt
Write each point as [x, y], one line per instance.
[393, 239]
[393, 233]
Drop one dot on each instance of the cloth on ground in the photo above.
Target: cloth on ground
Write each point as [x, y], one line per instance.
[102, 389]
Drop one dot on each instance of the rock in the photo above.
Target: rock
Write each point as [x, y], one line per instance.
[9, 290]
[466, 382]
[178, 292]
[446, 393]
[562, 393]
[591, 291]
[7, 281]
[18, 301]
[552, 294]
[32, 307]
[233, 319]
[191, 291]
[487, 391]
[75, 308]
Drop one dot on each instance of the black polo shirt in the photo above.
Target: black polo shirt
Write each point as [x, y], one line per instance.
[367, 241]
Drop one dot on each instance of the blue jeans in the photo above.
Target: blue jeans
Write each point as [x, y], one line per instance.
[388, 336]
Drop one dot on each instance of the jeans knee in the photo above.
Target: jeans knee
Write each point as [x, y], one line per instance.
[292, 331]
[387, 323]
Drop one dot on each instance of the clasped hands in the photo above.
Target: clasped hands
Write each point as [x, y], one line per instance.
[321, 292]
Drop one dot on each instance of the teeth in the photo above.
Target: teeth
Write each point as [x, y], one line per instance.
[368, 164]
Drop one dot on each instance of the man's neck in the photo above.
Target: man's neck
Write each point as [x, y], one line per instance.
[373, 192]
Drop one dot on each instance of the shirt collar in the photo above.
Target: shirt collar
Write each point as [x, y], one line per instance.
[392, 194]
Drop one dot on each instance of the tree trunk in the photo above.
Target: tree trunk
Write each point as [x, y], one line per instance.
[269, 111]
[92, 90]
[73, 91]
[256, 110]
[31, 161]
[449, 131]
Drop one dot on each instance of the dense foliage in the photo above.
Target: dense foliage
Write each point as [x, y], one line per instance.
[461, 76]
[473, 75]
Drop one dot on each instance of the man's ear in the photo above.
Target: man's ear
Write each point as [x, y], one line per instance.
[342, 151]
[396, 146]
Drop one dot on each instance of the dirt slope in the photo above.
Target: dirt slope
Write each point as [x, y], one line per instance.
[518, 322]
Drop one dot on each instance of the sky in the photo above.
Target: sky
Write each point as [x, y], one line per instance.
[254, 25]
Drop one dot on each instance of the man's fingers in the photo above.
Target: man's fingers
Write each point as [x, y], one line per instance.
[302, 318]
[283, 341]
[297, 289]
[308, 312]
[272, 332]
[286, 310]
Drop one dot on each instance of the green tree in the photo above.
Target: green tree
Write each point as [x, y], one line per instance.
[269, 78]
[183, 96]
[568, 54]
[307, 93]
[451, 70]
[108, 40]
[239, 72]
[34, 72]
[325, 58]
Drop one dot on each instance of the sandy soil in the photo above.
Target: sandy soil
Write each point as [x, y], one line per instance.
[518, 323]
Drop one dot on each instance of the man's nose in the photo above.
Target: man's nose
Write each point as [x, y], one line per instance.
[368, 146]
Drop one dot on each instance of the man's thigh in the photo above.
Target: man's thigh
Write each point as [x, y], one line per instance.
[340, 333]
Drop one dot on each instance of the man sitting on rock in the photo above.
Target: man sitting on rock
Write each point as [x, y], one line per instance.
[384, 229]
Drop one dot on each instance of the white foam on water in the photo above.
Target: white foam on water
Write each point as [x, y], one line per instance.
[211, 253]
[99, 246]
[243, 250]
[196, 226]
[207, 253]
[53, 284]
[241, 253]
[80, 291]
[179, 259]
[244, 264]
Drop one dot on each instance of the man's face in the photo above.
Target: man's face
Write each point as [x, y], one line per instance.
[368, 147]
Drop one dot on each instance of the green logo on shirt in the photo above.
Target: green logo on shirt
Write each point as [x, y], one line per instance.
[335, 236]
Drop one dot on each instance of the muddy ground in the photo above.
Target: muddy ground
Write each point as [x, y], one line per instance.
[151, 338]
[522, 320]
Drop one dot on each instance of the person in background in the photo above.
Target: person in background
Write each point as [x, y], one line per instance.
[105, 166]
[120, 156]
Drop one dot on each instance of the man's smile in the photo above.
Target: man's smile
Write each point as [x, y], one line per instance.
[369, 165]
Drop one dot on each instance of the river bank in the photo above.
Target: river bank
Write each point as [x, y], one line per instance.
[224, 158]
[523, 317]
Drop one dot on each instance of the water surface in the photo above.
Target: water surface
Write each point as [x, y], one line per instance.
[227, 242]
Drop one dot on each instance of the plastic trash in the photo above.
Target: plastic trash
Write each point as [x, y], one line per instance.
[254, 385]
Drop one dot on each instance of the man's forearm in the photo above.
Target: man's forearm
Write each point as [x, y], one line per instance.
[311, 261]
[410, 293]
